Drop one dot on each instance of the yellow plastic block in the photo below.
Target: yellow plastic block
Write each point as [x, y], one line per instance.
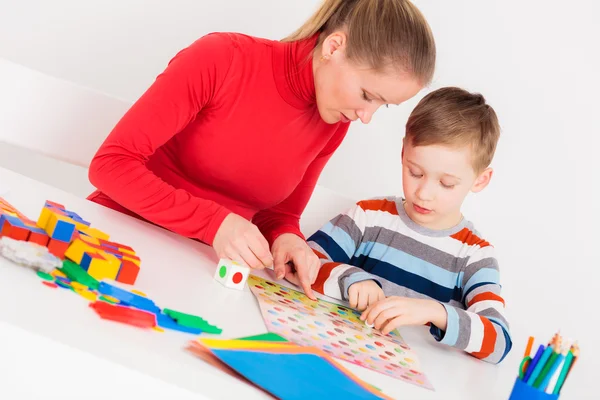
[44, 217]
[78, 286]
[105, 267]
[93, 232]
[57, 273]
[76, 250]
[127, 251]
[86, 294]
[89, 239]
[139, 293]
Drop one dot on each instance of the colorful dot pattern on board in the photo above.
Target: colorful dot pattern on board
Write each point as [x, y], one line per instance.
[335, 329]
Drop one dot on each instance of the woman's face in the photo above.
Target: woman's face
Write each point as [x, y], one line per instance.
[347, 92]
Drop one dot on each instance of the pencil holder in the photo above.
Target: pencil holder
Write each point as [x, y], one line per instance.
[522, 391]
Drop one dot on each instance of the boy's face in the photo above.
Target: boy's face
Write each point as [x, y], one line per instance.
[436, 179]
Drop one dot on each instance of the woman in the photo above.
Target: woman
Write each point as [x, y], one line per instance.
[227, 144]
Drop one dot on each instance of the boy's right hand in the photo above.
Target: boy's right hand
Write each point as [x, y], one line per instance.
[363, 294]
[240, 240]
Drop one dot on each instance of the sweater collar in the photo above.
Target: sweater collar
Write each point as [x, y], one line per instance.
[293, 71]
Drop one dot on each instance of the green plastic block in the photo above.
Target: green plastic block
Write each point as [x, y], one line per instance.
[192, 321]
[265, 337]
[78, 274]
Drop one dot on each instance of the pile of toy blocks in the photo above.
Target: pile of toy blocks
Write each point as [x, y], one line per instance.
[68, 236]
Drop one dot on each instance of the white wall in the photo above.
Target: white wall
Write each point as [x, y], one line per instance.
[535, 61]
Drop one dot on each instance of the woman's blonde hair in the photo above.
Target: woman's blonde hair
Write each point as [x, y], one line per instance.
[381, 33]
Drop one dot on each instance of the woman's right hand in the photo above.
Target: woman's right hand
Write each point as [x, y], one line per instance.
[240, 240]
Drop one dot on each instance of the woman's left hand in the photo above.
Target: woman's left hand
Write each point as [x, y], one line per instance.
[291, 249]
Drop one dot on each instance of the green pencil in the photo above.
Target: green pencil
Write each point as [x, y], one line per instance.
[546, 369]
[565, 370]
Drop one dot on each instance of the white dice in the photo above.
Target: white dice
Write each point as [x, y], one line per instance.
[231, 274]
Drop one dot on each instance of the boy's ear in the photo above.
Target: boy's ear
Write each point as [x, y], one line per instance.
[482, 180]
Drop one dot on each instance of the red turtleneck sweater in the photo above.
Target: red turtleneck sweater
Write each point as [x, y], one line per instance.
[231, 125]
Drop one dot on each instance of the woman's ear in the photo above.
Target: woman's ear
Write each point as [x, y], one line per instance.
[332, 44]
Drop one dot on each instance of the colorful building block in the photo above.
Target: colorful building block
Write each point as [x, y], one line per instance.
[58, 247]
[60, 227]
[128, 298]
[128, 272]
[192, 321]
[93, 232]
[122, 314]
[100, 265]
[37, 235]
[231, 274]
[13, 228]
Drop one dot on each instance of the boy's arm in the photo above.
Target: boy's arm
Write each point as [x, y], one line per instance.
[481, 329]
[335, 244]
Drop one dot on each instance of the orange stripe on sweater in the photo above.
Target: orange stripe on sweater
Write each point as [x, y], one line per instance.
[319, 254]
[486, 296]
[379, 205]
[489, 339]
[324, 273]
[468, 237]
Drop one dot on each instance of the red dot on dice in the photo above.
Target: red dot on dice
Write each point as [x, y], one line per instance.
[237, 277]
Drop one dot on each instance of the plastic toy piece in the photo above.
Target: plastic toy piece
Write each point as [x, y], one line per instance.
[13, 227]
[166, 322]
[57, 247]
[128, 272]
[78, 274]
[60, 227]
[231, 274]
[125, 315]
[50, 284]
[37, 235]
[192, 321]
[128, 298]
[93, 232]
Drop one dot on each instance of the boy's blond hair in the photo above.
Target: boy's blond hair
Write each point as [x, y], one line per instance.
[455, 117]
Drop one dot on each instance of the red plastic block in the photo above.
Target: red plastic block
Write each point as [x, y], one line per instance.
[128, 272]
[39, 238]
[58, 247]
[125, 315]
[14, 231]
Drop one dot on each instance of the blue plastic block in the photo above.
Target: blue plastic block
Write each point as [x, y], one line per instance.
[128, 298]
[86, 260]
[166, 322]
[14, 221]
[63, 231]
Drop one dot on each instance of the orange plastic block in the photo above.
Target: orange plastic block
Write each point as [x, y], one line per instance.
[128, 272]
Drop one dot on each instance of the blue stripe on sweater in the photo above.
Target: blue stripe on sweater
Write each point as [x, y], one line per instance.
[334, 251]
[409, 263]
[407, 279]
[488, 275]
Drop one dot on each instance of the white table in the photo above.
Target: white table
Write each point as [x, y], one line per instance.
[177, 273]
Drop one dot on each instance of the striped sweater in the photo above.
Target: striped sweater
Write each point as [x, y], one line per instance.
[377, 240]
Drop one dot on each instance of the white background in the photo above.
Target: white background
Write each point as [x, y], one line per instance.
[536, 62]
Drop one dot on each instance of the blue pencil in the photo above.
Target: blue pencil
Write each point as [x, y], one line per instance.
[539, 366]
[533, 362]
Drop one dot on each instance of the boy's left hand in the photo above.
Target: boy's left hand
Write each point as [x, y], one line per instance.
[393, 312]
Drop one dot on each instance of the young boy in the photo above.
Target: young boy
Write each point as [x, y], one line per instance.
[416, 260]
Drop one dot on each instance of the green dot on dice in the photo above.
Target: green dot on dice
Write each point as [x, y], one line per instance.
[223, 271]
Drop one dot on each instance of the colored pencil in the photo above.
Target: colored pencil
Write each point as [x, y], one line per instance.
[529, 345]
[539, 366]
[574, 353]
[534, 362]
[549, 387]
[550, 362]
